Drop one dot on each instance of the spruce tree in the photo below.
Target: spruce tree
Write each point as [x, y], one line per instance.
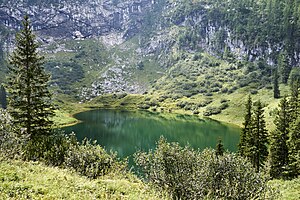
[294, 100]
[246, 131]
[220, 148]
[294, 149]
[3, 100]
[284, 67]
[29, 96]
[258, 150]
[278, 156]
[276, 90]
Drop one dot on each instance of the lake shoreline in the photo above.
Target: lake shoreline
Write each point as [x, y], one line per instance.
[176, 112]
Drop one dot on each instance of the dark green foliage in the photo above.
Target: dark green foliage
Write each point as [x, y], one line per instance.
[278, 156]
[29, 97]
[246, 131]
[276, 91]
[294, 149]
[284, 67]
[189, 174]
[294, 100]
[258, 150]
[254, 137]
[3, 101]
[220, 148]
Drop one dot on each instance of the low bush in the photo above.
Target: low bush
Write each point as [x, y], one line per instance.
[10, 142]
[121, 96]
[90, 159]
[223, 100]
[253, 91]
[208, 94]
[204, 103]
[216, 89]
[202, 91]
[212, 111]
[143, 106]
[181, 104]
[224, 90]
[223, 106]
[191, 174]
[49, 149]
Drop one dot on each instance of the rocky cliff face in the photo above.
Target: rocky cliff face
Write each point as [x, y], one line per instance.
[111, 21]
[69, 18]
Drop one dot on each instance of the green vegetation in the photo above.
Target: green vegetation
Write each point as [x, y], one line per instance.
[191, 174]
[3, 96]
[284, 141]
[183, 79]
[33, 180]
[219, 148]
[29, 96]
[278, 141]
[289, 189]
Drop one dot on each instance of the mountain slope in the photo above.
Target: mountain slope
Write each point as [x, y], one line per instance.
[176, 49]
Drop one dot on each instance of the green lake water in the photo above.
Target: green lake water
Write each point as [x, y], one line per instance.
[126, 132]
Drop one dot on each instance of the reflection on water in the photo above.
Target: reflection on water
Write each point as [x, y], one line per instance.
[126, 132]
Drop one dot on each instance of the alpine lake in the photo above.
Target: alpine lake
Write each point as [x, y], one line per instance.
[126, 132]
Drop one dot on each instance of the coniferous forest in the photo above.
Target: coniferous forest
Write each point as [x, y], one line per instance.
[233, 61]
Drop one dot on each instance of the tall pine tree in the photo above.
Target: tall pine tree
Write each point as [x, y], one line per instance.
[284, 66]
[3, 100]
[258, 151]
[246, 131]
[294, 149]
[29, 97]
[276, 91]
[294, 134]
[294, 101]
[220, 148]
[279, 152]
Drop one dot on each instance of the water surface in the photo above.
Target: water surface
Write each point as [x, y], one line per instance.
[126, 132]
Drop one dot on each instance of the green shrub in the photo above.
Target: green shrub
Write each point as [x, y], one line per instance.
[215, 89]
[121, 96]
[208, 94]
[90, 159]
[223, 106]
[202, 91]
[212, 111]
[190, 174]
[204, 103]
[10, 142]
[253, 91]
[143, 106]
[224, 90]
[50, 149]
[223, 100]
[181, 104]
[195, 112]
